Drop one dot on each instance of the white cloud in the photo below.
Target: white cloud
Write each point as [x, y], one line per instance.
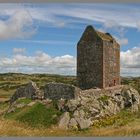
[18, 25]
[130, 61]
[120, 14]
[122, 41]
[52, 42]
[39, 63]
[19, 50]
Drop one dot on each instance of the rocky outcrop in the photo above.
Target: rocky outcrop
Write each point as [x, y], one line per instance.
[56, 91]
[64, 120]
[81, 108]
[29, 91]
[91, 105]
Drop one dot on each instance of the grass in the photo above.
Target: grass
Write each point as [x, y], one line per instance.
[14, 128]
[24, 100]
[36, 116]
[121, 119]
[38, 120]
[104, 98]
[41, 121]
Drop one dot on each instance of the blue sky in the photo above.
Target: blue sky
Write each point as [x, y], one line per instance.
[42, 38]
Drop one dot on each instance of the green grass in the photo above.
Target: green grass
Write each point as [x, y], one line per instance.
[24, 100]
[3, 105]
[36, 116]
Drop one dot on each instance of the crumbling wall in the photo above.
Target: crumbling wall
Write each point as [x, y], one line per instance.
[29, 91]
[58, 90]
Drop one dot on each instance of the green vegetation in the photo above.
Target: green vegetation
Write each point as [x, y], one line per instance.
[9, 82]
[24, 100]
[104, 98]
[39, 119]
[120, 119]
[133, 81]
[37, 115]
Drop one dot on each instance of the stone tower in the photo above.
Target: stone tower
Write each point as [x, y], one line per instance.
[98, 60]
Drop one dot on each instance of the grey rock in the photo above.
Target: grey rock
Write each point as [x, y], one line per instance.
[31, 104]
[61, 105]
[64, 121]
[72, 104]
[79, 114]
[29, 91]
[10, 110]
[21, 105]
[73, 124]
[56, 91]
[83, 123]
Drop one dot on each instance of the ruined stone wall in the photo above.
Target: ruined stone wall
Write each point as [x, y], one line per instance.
[90, 64]
[57, 91]
[29, 91]
[111, 63]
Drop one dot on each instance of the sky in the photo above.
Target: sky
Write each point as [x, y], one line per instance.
[42, 38]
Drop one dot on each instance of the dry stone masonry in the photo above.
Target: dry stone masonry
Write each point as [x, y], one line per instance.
[54, 91]
[29, 91]
[59, 90]
[98, 60]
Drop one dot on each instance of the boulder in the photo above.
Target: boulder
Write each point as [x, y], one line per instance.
[31, 104]
[64, 121]
[83, 123]
[73, 124]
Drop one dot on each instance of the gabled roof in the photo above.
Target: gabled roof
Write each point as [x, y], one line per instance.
[90, 33]
[104, 36]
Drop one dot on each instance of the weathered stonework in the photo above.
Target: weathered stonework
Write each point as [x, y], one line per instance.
[98, 60]
[56, 91]
[29, 91]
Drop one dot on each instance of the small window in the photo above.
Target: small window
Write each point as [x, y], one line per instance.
[114, 82]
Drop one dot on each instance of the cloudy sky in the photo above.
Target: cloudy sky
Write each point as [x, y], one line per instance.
[42, 38]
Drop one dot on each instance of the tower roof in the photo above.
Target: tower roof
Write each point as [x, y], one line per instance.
[91, 33]
[104, 36]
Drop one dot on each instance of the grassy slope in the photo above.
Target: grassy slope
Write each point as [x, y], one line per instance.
[124, 123]
[131, 127]
[37, 115]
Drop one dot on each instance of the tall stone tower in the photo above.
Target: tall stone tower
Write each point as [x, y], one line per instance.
[98, 60]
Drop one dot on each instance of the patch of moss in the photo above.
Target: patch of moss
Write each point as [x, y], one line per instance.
[38, 115]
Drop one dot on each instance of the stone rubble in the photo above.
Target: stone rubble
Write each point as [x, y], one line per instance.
[88, 108]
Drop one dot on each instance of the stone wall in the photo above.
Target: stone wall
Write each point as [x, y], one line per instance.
[111, 63]
[90, 60]
[98, 60]
[29, 91]
[58, 90]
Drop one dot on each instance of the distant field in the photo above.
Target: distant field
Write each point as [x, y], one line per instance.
[9, 82]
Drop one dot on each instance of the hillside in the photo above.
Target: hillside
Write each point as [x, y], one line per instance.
[40, 118]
